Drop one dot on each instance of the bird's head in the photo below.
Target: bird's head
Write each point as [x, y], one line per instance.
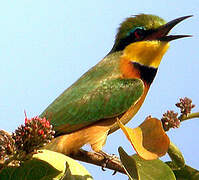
[144, 38]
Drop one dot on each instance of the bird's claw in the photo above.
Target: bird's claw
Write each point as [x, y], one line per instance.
[104, 164]
[107, 158]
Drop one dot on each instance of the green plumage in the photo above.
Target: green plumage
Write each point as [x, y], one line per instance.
[142, 20]
[99, 94]
[116, 87]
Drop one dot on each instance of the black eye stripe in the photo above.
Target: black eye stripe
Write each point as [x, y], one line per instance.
[134, 35]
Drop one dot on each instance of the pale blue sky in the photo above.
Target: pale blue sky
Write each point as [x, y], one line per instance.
[46, 45]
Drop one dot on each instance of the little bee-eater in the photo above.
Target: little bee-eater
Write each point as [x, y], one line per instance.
[116, 87]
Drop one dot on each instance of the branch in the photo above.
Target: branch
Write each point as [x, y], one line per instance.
[113, 164]
[190, 116]
[99, 160]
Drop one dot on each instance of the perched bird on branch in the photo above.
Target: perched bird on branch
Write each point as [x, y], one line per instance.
[116, 87]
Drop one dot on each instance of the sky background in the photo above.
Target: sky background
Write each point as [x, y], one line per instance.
[45, 46]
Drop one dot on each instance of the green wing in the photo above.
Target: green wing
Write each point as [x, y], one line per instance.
[99, 94]
[109, 99]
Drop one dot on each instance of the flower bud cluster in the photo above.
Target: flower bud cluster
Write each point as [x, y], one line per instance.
[170, 120]
[185, 105]
[7, 146]
[36, 133]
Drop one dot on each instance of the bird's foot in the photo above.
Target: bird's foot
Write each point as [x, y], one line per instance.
[107, 158]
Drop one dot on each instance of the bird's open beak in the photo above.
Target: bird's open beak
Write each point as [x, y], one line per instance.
[162, 32]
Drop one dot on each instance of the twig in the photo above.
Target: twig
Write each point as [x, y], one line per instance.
[189, 116]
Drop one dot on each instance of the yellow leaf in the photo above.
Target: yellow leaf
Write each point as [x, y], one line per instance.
[68, 167]
[149, 139]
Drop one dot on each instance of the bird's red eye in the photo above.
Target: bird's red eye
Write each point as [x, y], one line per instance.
[139, 33]
[136, 35]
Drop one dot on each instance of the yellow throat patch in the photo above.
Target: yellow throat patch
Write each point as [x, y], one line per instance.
[148, 53]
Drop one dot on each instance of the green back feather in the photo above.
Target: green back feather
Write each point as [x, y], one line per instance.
[98, 94]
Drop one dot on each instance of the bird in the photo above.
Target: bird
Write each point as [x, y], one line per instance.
[115, 88]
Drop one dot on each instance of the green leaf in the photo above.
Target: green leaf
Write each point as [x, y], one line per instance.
[146, 169]
[47, 165]
[30, 170]
[186, 173]
[129, 164]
